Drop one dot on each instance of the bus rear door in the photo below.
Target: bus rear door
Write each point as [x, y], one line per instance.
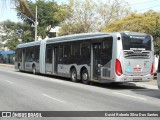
[96, 61]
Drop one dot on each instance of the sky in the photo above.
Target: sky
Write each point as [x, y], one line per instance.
[7, 10]
[144, 5]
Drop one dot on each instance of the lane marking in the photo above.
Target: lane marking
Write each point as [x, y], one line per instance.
[35, 76]
[45, 95]
[130, 96]
[9, 81]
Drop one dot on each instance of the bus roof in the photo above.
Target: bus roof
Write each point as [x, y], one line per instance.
[28, 44]
[133, 33]
[76, 37]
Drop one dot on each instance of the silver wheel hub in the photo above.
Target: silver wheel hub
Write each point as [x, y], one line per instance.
[73, 75]
[34, 70]
[85, 76]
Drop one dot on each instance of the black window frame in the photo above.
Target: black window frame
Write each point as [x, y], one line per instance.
[49, 53]
[133, 41]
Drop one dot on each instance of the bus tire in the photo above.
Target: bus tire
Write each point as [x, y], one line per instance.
[74, 75]
[34, 69]
[85, 77]
[19, 68]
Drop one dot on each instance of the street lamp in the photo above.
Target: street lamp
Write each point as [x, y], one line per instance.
[35, 23]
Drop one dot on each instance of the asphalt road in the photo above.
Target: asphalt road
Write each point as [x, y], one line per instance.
[26, 92]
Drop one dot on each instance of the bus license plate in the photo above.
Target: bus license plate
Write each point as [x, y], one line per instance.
[137, 79]
[137, 69]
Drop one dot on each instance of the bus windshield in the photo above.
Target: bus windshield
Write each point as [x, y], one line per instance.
[132, 42]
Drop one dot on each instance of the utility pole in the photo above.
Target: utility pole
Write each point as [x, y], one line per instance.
[36, 24]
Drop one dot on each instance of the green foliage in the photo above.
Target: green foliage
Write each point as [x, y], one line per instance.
[49, 15]
[148, 22]
[13, 43]
[157, 45]
[92, 15]
[80, 19]
[14, 31]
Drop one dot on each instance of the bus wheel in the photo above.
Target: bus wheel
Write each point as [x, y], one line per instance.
[19, 68]
[73, 75]
[34, 70]
[85, 77]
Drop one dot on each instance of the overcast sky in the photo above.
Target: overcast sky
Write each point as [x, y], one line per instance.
[7, 11]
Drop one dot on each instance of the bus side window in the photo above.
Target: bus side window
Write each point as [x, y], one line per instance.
[60, 55]
[29, 52]
[17, 55]
[27, 56]
[20, 55]
[85, 50]
[75, 49]
[36, 52]
[49, 54]
[67, 50]
[106, 50]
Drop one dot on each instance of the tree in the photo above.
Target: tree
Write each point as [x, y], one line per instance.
[13, 43]
[9, 31]
[10, 27]
[21, 3]
[92, 15]
[47, 15]
[148, 22]
[111, 10]
[80, 19]
[24, 7]
[13, 32]
[142, 22]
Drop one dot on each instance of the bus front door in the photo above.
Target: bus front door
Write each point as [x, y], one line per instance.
[96, 61]
[23, 60]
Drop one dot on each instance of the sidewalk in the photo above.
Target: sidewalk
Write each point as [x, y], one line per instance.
[7, 65]
[153, 82]
[150, 85]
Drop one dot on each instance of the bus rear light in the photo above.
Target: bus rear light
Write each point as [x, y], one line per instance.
[125, 79]
[118, 68]
[152, 69]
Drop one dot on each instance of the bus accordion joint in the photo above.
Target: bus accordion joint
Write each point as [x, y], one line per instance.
[118, 68]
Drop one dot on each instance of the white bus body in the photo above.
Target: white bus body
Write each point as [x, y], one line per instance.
[99, 57]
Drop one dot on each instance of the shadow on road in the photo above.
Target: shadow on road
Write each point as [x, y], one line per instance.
[148, 92]
[132, 87]
[121, 86]
[115, 86]
[118, 86]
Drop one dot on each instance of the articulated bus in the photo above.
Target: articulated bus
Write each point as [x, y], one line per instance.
[98, 57]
